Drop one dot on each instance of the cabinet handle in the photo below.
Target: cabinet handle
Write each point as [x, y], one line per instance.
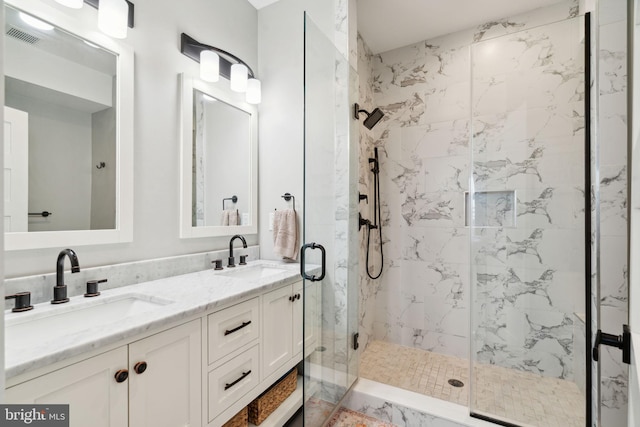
[297, 296]
[140, 367]
[230, 331]
[121, 376]
[292, 298]
[227, 386]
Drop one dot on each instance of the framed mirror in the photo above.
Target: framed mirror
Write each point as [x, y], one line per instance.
[68, 130]
[219, 168]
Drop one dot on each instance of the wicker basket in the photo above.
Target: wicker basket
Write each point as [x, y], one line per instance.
[241, 419]
[269, 401]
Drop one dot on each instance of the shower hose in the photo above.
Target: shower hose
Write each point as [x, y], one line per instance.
[377, 218]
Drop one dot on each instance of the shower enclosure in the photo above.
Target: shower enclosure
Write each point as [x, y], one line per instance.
[504, 219]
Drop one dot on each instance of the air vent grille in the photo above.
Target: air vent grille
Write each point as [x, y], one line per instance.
[22, 36]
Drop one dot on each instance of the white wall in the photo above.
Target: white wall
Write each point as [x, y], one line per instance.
[228, 24]
[281, 47]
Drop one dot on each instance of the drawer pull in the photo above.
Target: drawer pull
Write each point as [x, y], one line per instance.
[244, 375]
[230, 331]
[121, 376]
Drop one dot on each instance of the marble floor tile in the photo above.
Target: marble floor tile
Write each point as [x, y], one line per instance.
[346, 417]
[518, 396]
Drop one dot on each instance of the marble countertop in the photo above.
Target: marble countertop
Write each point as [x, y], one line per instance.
[179, 297]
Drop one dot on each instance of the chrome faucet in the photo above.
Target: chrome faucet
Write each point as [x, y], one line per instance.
[232, 261]
[60, 290]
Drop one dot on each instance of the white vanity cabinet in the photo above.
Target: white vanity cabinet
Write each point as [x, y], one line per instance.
[95, 398]
[281, 327]
[166, 393]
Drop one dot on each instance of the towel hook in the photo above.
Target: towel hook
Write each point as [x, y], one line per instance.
[288, 197]
[234, 199]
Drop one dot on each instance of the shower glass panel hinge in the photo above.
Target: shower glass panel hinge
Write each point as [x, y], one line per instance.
[623, 342]
[356, 344]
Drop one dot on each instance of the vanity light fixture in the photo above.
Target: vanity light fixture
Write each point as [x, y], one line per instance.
[73, 4]
[254, 91]
[114, 16]
[209, 66]
[230, 67]
[239, 78]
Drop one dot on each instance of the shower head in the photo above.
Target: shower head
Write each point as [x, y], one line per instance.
[372, 118]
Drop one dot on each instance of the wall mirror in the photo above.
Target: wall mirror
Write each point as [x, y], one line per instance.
[68, 128]
[219, 161]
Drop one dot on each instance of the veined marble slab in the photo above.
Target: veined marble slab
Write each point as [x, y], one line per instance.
[191, 294]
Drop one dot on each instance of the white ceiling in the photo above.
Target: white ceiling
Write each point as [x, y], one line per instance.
[386, 25]
[389, 24]
[259, 4]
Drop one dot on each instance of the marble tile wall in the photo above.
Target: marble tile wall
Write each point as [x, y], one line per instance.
[424, 90]
[612, 157]
[528, 136]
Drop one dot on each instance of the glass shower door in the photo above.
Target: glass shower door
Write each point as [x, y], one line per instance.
[527, 216]
[330, 229]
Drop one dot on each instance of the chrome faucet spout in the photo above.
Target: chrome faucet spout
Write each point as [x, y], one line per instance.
[232, 261]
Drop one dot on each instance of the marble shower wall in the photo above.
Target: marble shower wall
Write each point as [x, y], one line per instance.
[422, 299]
[612, 153]
[528, 138]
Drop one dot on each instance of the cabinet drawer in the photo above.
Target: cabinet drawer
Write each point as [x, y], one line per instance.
[233, 327]
[231, 381]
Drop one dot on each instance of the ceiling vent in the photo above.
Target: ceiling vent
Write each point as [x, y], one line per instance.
[22, 36]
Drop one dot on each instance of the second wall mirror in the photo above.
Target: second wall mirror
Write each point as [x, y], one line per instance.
[219, 191]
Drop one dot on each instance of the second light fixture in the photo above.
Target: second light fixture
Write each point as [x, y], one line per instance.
[215, 62]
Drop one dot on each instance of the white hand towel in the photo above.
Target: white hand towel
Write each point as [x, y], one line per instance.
[230, 217]
[224, 220]
[285, 233]
[234, 217]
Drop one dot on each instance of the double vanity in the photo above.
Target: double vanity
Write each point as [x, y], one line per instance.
[188, 350]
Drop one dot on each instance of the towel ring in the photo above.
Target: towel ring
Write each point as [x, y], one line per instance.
[288, 197]
[234, 199]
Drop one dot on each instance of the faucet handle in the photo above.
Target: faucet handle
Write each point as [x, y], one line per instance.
[92, 288]
[243, 260]
[218, 264]
[23, 301]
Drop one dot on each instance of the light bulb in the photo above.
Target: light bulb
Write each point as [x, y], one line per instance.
[74, 4]
[35, 22]
[254, 91]
[209, 66]
[239, 77]
[113, 18]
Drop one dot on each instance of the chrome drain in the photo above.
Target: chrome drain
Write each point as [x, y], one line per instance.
[456, 383]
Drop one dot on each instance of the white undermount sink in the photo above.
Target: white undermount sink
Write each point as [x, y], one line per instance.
[23, 329]
[253, 272]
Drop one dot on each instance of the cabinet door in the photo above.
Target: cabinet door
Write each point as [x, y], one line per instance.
[277, 335]
[168, 393]
[95, 398]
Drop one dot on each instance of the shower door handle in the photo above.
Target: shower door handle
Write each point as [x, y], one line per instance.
[323, 267]
[623, 342]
